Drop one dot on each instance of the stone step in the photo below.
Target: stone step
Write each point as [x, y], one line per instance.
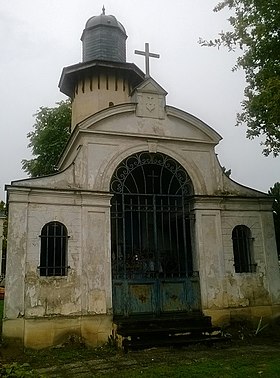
[175, 329]
[125, 332]
[164, 321]
[175, 340]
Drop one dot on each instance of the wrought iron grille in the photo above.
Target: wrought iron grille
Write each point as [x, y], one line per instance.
[150, 218]
[148, 173]
[53, 254]
[242, 249]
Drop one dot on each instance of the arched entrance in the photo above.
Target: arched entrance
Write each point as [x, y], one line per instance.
[152, 270]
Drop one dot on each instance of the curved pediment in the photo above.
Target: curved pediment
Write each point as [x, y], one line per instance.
[177, 124]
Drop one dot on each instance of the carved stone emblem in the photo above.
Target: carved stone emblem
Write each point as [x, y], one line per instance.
[150, 104]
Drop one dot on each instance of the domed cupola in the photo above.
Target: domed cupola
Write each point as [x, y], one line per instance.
[103, 79]
[104, 38]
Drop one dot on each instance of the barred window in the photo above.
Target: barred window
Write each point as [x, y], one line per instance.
[53, 256]
[242, 249]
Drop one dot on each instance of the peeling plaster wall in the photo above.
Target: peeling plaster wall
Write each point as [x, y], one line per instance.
[210, 259]
[221, 287]
[46, 296]
[16, 259]
[86, 288]
[96, 273]
[261, 287]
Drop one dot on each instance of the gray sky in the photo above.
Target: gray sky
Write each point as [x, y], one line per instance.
[40, 37]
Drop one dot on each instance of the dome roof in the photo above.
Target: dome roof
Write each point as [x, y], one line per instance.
[104, 20]
[104, 38]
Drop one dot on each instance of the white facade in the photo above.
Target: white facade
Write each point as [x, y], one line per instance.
[43, 310]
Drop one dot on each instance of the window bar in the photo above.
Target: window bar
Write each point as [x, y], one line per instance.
[131, 223]
[185, 236]
[56, 245]
[244, 257]
[239, 251]
[238, 246]
[169, 224]
[123, 229]
[147, 223]
[161, 176]
[162, 228]
[244, 251]
[66, 266]
[177, 237]
[63, 251]
[54, 242]
[47, 250]
[156, 256]
[61, 248]
[144, 181]
[115, 225]
[247, 251]
[250, 248]
[170, 183]
[139, 223]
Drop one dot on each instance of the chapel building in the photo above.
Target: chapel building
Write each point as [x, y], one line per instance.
[140, 220]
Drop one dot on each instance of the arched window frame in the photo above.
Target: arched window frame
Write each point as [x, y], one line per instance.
[53, 249]
[242, 243]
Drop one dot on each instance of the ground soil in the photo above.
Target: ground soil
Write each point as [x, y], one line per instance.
[75, 360]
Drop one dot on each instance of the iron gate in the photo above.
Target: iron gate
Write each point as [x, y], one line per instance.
[151, 237]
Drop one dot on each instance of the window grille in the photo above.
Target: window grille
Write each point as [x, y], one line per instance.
[242, 249]
[3, 264]
[53, 256]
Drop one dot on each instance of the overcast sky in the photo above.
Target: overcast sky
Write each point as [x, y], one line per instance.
[40, 37]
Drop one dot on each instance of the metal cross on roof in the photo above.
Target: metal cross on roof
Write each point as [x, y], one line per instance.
[147, 55]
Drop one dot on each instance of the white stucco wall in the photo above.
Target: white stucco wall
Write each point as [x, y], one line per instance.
[86, 288]
[79, 197]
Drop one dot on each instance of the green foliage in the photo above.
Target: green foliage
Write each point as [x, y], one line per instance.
[275, 192]
[255, 30]
[17, 370]
[235, 366]
[50, 135]
[112, 343]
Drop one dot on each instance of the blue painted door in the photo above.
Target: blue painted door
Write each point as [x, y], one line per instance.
[159, 296]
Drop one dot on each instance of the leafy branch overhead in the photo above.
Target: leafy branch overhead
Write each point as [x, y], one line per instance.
[47, 140]
[255, 29]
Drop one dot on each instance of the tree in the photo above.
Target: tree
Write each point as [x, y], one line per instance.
[275, 192]
[50, 135]
[256, 32]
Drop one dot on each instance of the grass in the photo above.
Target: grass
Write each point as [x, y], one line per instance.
[237, 366]
[233, 361]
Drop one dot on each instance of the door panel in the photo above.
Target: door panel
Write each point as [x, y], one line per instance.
[131, 297]
[142, 297]
[173, 296]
